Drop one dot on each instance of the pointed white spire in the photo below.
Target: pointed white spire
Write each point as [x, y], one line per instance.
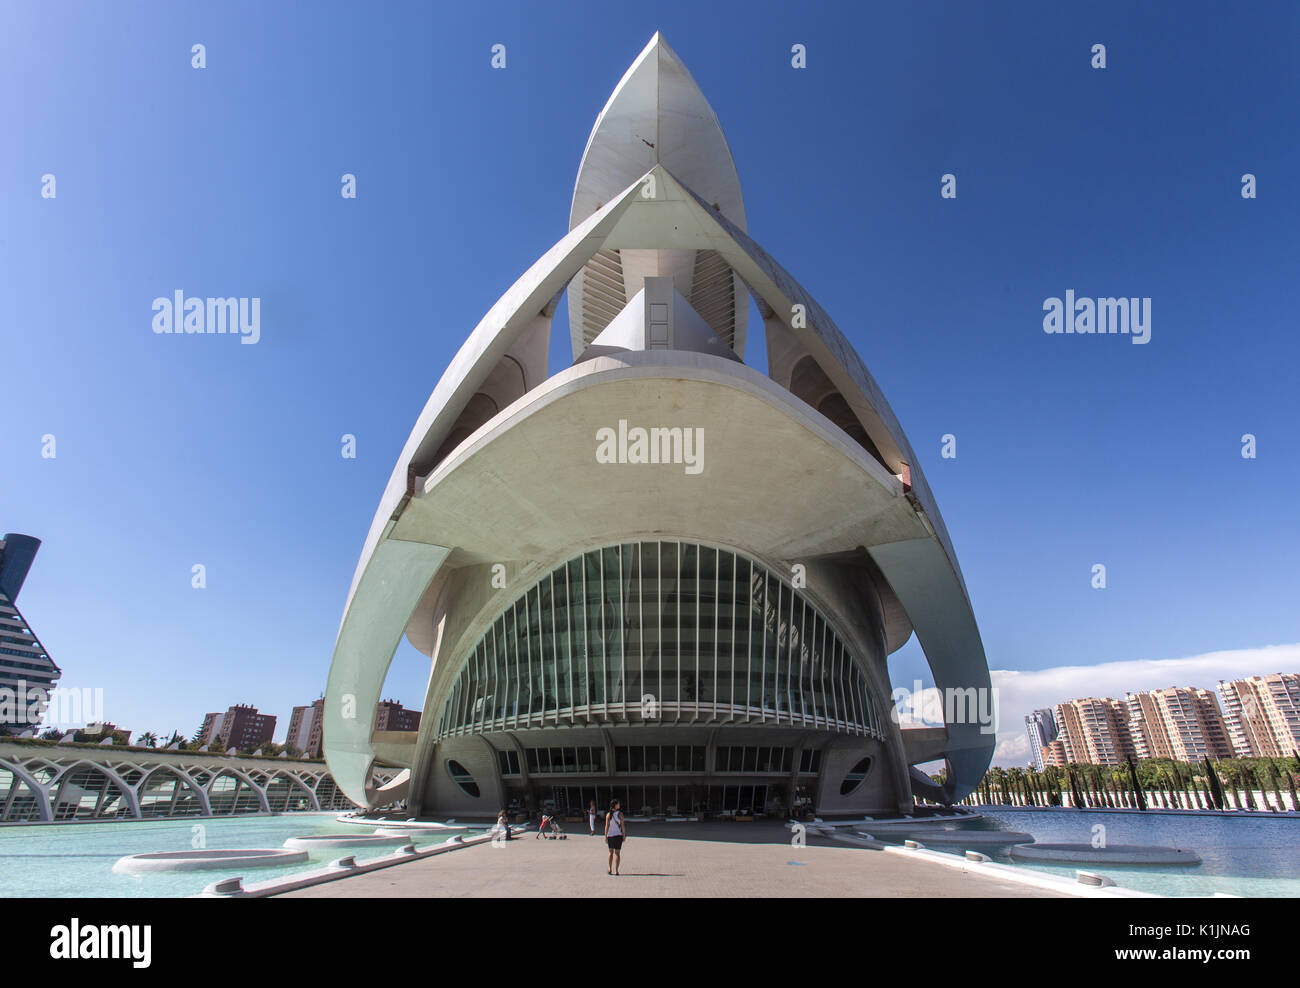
[657, 115]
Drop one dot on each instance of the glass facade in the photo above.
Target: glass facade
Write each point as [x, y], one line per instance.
[660, 632]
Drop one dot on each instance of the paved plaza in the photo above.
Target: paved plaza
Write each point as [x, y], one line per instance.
[667, 860]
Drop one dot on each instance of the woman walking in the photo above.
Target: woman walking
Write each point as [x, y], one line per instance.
[615, 831]
[591, 817]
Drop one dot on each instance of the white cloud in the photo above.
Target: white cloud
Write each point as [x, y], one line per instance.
[1020, 693]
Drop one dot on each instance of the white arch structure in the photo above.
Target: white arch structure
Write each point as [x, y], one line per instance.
[47, 784]
[499, 468]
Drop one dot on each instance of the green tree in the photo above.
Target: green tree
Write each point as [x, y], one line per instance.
[1248, 785]
[1273, 770]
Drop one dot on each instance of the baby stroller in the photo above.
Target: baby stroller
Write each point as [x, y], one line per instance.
[550, 828]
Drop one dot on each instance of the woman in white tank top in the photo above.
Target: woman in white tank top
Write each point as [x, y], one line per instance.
[615, 831]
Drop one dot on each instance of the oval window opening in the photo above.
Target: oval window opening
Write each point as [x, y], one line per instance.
[855, 776]
[462, 778]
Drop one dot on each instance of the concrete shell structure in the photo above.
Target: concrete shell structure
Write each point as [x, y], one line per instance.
[658, 574]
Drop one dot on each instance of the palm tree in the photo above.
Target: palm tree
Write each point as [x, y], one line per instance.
[149, 739]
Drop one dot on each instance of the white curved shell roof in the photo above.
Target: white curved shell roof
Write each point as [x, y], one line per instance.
[657, 116]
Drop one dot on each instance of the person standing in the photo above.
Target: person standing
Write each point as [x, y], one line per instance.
[591, 817]
[615, 831]
[503, 824]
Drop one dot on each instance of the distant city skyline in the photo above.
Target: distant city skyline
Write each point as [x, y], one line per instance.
[1179, 720]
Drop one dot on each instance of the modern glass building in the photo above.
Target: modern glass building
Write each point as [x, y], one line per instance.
[27, 673]
[660, 573]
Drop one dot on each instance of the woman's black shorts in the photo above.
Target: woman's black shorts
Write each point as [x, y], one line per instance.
[615, 843]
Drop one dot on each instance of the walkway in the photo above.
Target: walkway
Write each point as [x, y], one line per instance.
[672, 860]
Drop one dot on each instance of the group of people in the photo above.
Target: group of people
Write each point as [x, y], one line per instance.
[615, 830]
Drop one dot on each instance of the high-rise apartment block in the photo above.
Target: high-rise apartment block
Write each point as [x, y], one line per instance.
[1041, 726]
[241, 726]
[1094, 730]
[1262, 715]
[1182, 723]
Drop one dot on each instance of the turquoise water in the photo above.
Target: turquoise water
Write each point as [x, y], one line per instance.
[1246, 856]
[75, 860]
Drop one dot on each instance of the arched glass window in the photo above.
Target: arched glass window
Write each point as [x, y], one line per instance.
[637, 632]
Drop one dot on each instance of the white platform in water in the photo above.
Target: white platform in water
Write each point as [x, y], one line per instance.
[971, 839]
[1134, 854]
[408, 825]
[376, 839]
[257, 857]
[906, 822]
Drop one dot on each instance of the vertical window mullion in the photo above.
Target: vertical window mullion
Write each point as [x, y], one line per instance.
[476, 690]
[483, 689]
[789, 652]
[554, 651]
[805, 700]
[835, 675]
[856, 681]
[527, 636]
[640, 622]
[462, 685]
[604, 637]
[749, 639]
[588, 645]
[621, 623]
[846, 672]
[695, 716]
[490, 642]
[762, 637]
[512, 672]
[815, 666]
[717, 622]
[828, 683]
[568, 636]
[677, 610]
[782, 690]
[659, 623]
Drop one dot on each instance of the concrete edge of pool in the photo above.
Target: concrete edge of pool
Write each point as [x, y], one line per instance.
[345, 867]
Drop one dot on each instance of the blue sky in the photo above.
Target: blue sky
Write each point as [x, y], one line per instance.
[1071, 450]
